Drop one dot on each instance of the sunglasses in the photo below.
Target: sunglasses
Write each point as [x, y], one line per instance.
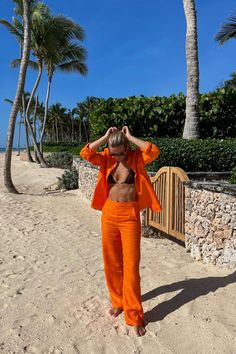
[122, 153]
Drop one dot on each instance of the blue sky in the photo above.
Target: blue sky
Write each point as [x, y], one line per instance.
[134, 47]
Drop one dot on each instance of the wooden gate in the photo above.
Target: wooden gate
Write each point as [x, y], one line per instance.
[169, 189]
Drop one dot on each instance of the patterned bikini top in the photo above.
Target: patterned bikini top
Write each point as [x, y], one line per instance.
[129, 179]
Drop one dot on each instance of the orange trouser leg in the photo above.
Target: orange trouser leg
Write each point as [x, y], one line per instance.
[121, 234]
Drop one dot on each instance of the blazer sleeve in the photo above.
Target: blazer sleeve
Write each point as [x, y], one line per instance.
[149, 154]
[92, 155]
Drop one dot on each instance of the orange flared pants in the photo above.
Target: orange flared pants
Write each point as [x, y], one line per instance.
[121, 235]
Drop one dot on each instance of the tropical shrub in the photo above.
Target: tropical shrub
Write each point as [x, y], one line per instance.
[69, 179]
[60, 159]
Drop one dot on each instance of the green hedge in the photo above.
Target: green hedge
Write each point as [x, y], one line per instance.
[190, 155]
[196, 155]
[74, 149]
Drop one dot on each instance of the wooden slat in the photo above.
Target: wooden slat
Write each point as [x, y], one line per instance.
[168, 204]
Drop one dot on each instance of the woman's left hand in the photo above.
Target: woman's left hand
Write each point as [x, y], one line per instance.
[126, 131]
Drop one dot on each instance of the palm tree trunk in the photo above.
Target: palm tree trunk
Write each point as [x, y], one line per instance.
[19, 134]
[57, 134]
[34, 128]
[53, 132]
[62, 133]
[191, 127]
[85, 130]
[72, 130]
[36, 148]
[45, 114]
[15, 107]
[29, 157]
[80, 131]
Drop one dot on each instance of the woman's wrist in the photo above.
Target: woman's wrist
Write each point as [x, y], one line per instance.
[130, 138]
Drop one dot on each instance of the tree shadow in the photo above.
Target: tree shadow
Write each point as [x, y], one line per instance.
[191, 289]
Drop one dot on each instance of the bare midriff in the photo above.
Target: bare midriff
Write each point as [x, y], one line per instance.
[122, 192]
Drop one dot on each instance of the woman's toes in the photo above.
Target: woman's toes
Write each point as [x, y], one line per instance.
[115, 312]
[139, 330]
[142, 331]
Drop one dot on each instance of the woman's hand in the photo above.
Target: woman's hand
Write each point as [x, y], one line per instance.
[109, 131]
[126, 131]
[103, 140]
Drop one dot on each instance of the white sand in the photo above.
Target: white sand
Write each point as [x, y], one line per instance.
[53, 297]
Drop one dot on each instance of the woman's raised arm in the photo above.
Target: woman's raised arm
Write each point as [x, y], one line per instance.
[89, 152]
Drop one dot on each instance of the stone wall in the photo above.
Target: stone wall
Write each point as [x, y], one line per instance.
[87, 176]
[210, 222]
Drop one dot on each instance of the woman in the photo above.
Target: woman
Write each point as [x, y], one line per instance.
[123, 189]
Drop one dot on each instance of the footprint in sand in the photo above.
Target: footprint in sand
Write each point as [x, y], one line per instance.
[55, 351]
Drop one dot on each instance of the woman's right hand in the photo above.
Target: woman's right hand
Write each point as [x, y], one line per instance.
[109, 131]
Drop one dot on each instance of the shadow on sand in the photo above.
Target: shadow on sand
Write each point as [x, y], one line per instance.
[191, 289]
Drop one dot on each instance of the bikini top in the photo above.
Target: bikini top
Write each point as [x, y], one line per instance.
[129, 179]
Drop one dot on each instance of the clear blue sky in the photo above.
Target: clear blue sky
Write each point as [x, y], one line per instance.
[134, 47]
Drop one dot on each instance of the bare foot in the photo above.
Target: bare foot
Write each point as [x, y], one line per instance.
[140, 330]
[115, 312]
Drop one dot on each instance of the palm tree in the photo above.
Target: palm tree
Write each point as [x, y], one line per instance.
[16, 28]
[53, 42]
[20, 89]
[62, 53]
[73, 119]
[54, 45]
[191, 126]
[57, 119]
[84, 110]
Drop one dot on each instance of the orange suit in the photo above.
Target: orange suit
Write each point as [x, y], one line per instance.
[121, 228]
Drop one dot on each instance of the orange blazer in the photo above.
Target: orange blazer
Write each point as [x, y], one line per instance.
[136, 159]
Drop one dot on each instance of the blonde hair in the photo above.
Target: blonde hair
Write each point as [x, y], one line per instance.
[118, 138]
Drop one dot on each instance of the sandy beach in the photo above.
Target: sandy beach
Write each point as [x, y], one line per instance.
[53, 297]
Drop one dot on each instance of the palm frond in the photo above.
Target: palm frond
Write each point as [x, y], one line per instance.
[73, 51]
[74, 66]
[227, 31]
[12, 30]
[40, 13]
[8, 101]
[70, 29]
[32, 64]
[18, 9]
[15, 63]
[18, 25]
